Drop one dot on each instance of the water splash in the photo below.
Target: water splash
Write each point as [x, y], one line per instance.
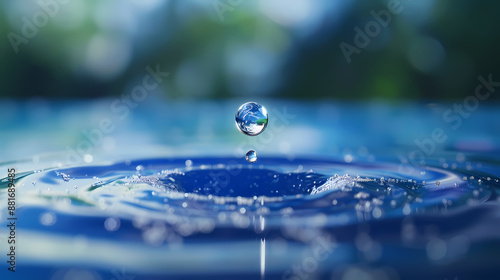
[197, 203]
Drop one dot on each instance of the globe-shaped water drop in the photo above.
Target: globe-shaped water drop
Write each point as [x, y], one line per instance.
[251, 118]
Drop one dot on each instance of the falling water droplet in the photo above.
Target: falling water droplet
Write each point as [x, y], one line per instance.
[251, 118]
[251, 156]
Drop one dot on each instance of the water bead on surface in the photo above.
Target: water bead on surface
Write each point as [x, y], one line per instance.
[251, 156]
[251, 118]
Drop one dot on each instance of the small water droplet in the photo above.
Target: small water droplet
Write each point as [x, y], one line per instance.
[88, 158]
[251, 156]
[348, 158]
[251, 118]
[406, 210]
[111, 224]
[48, 219]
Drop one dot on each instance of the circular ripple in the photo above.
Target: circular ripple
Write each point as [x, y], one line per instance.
[218, 184]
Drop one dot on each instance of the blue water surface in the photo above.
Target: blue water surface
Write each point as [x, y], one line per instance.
[339, 191]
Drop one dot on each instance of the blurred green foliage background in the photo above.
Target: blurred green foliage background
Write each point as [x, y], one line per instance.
[236, 48]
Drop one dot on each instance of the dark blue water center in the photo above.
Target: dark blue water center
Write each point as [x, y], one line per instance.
[245, 182]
